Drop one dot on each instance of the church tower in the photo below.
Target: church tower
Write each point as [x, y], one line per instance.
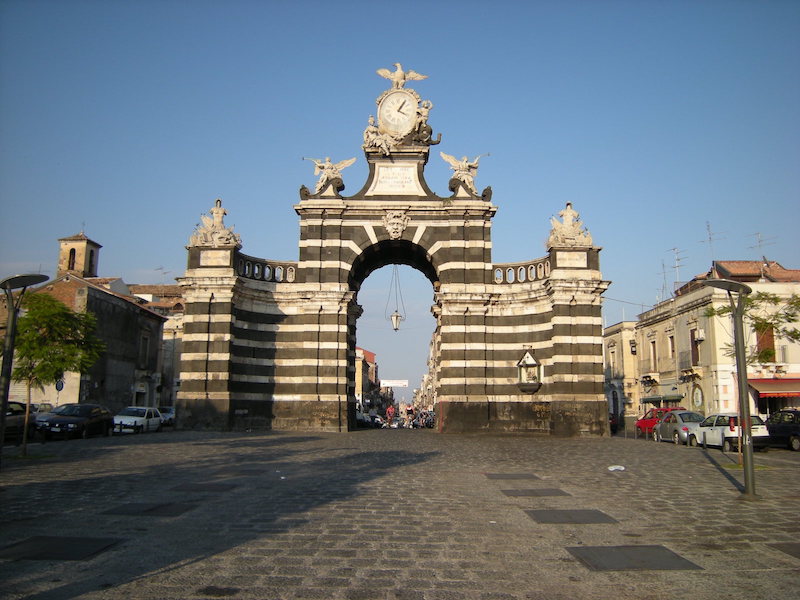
[78, 255]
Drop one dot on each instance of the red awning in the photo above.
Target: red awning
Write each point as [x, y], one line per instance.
[776, 388]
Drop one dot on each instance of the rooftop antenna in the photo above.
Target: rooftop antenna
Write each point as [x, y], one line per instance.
[710, 239]
[662, 294]
[761, 242]
[677, 266]
[163, 273]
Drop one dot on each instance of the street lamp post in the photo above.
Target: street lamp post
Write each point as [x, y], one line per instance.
[8, 284]
[737, 309]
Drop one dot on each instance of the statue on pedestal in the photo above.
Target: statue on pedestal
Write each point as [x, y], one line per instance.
[329, 171]
[569, 231]
[213, 231]
[464, 170]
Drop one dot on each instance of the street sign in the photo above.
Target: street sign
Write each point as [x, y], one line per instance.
[394, 383]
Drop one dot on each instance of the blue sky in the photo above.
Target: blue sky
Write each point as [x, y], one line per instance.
[658, 120]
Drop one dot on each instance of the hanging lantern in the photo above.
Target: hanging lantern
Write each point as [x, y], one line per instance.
[394, 286]
[396, 317]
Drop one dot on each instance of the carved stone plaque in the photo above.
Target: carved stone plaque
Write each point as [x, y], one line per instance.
[571, 259]
[397, 179]
[215, 258]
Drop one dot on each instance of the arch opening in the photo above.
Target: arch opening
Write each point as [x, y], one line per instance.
[402, 355]
[391, 252]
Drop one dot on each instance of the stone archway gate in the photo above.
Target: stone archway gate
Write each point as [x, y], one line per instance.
[271, 344]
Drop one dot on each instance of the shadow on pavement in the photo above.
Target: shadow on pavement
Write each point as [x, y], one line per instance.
[718, 466]
[276, 482]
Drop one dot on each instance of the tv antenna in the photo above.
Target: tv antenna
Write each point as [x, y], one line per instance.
[677, 263]
[761, 242]
[710, 239]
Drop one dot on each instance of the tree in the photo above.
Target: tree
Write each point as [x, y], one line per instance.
[771, 317]
[51, 340]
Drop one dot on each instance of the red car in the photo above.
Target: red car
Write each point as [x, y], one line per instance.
[646, 423]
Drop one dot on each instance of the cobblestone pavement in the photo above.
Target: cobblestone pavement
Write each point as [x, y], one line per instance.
[392, 514]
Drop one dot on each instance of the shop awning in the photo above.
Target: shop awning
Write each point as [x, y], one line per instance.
[659, 399]
[776, 388]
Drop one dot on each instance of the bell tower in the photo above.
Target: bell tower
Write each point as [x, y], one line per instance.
[78, 255]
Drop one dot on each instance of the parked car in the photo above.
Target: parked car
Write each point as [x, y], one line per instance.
[676, 426]
[784, 428]
[723, 430]
[363, 420]
[137, 419]
[41, 407]
[645, 424]
[75, 420]
[167, 415]
[15, 421]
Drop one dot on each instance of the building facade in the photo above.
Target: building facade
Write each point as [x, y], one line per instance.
[128, 372]
[678, 355]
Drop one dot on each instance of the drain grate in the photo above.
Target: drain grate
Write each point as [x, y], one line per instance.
[174, 509]
[631, 558]
[535, 493]
[43, 547]
[790, 548]
[572, 517]
[205, 487]
[510, 476]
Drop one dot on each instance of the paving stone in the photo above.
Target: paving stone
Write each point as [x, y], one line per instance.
[424, 515]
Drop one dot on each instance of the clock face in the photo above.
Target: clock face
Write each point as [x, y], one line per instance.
[397, 112]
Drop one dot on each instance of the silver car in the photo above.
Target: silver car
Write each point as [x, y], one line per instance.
[677, 426]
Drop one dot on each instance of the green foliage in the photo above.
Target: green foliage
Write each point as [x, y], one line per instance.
[52, 339]
[767, 314]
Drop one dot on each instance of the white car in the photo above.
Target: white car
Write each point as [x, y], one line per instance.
[723, 430]
[137, 419]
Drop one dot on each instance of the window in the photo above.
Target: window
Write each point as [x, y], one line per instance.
[71, 262]
[671, 346]
[653, 356]
[144, 350]
[765, 340]
[695, 345]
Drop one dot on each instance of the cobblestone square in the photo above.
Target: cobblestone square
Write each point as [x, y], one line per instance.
[390, 514]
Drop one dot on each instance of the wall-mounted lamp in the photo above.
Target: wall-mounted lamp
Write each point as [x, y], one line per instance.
[633, 346]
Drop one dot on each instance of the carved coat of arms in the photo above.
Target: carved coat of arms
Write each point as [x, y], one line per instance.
[395, 222]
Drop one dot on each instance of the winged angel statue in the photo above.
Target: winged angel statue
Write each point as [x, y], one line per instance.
[328, 171]
[399, 77]
[464, 170]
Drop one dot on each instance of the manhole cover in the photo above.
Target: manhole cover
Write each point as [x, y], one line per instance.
[151, 510]
[43, 547]
[535, 493]
[511, 476]
[204, 487]
[631, 558]
[790, 548]
[573, 517]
